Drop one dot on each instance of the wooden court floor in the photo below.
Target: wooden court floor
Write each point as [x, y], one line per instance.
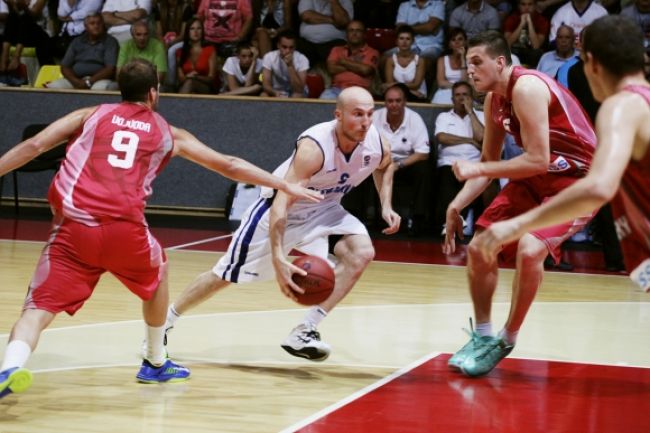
[242, 381]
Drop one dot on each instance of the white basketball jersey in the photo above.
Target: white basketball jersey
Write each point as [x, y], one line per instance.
[339, 173]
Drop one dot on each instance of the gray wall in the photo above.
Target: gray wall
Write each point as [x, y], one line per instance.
[262, 131]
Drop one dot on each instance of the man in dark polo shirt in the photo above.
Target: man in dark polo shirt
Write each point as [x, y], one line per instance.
[89, 63]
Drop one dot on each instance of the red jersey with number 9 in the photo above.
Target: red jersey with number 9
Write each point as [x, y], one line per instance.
[110, 165]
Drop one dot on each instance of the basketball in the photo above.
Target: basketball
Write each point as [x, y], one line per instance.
[318, 284]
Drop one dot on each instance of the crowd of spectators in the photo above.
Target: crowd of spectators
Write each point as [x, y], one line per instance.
[271, 47]
[427, 54]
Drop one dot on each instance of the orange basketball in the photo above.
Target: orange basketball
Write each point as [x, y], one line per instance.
[318, 283]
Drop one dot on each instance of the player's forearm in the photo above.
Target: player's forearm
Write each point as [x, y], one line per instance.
[277, 225]
[470, 191]
[383, 180]
[243, 171]
[520, 167]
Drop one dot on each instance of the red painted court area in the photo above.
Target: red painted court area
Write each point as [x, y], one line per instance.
[519, 396]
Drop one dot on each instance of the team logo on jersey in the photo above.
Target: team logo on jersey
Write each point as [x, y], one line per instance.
[366, 160]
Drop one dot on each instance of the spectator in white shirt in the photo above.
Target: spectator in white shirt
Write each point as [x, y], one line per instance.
[284, 71]
[119, 15]
[241, 72]
[407, 134]
[459, 133]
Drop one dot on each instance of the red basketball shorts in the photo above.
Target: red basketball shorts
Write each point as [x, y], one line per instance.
[76, 255]
[521, 195]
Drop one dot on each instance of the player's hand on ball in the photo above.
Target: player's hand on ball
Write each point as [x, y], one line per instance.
[393, 220]
[283, 273]
[453, 227]
[464, 170]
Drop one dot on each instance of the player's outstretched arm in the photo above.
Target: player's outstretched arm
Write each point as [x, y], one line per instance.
[55, 134]
[383, 180]
[619, 119]
[189, 147]
[307, 160]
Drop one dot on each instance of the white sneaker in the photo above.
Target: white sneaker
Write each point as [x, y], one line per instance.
[304, 342]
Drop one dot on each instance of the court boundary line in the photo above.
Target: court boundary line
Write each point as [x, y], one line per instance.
[358, 394]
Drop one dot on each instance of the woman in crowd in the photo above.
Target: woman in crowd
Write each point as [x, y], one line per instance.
[406, 67]
[197, 62]
[451, 67]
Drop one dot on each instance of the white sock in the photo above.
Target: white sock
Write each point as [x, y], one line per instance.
[484, 329]
[172, 316]
[314, 315]
[16, 354]
[509, 337]
[155, 348]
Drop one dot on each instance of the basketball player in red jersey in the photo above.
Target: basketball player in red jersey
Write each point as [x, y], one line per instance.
[621, 165]
[558, 142]
[115, 151]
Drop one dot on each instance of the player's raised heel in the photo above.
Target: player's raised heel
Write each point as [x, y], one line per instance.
[168, 372]
[304, 342]
[14, 380]
[486, 357]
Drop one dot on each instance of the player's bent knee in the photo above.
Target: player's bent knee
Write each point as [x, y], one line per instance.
[530, 252]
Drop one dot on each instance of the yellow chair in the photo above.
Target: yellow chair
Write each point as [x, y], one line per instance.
[46, 74]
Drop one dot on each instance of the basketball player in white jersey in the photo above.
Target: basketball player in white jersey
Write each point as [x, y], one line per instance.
[98, 199]
[332, 158]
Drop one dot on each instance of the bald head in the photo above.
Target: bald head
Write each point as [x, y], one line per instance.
[354, 95]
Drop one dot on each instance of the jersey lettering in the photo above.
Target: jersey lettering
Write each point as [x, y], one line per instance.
[344, 178]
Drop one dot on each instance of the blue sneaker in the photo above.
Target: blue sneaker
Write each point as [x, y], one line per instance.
[14, 380]
[168, 372]
[483, 360]
[475, 341]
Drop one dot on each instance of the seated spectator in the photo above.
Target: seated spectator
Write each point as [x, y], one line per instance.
[564, 50]
[576, 14]
[284, 71]
[144, 47]
[89, 62]
[171, 18]
[120, 15]
[406, 67]
[354, 64]
[639, 12]
[452, 67]
[459, 133]
[197, 62]
[241, 72]
[427, 18]
[475, 16]
[322, 27]
[226, 23]
[407, 134]
[271, 17]
[526, 31]
[25, 27]
[72, 14]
